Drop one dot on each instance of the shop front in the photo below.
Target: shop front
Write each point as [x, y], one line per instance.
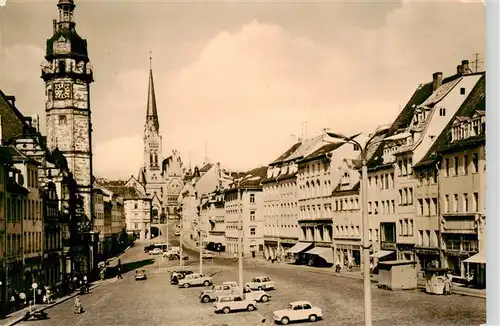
[347, 253]
[406, 251]
[320, 255]
[427, 257]
[298, 251]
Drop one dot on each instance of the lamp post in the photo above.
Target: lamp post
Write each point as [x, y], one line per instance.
[200, 239]
[365, 222]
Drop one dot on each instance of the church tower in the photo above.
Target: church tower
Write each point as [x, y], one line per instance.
[67, 73]
[152, 142]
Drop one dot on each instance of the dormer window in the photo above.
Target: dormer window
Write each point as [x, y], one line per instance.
[442, 112]
[476, 127]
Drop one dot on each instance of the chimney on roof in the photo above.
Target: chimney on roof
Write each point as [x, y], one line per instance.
[11, 99]
[459, 70]
[437, 79]
[465, 67]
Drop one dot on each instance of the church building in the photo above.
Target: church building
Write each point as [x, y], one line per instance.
[162, 178]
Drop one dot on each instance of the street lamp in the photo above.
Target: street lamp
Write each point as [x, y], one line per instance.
[200, 239]
[365, 222]
[240, 228]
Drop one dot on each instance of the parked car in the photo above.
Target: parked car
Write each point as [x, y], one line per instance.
[195, 279]
[179, 275]
[156, 251]
[177, 257]
[228, 303]
[216, 291]
[257, 295]
[260, 283]
[298, 310]
[208, 255]
[140, 275]
[148, 248]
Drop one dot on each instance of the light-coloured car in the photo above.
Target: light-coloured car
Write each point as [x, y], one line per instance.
[208, 255]
[156, 251]
[261, 283]
[195, 279]
[216, 291]
[296, 311]
[257, 295]
[234, 302]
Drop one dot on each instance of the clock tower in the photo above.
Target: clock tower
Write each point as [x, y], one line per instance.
[67, 74]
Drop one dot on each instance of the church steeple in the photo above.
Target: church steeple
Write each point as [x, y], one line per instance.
[151, 112]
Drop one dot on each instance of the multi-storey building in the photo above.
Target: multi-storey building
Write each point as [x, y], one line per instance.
[99, 216]
[212, 220]
[280, 205]
[452, 182]
[14, 198]
[243, 213]
[53, 248]
[346, 207]
[317, 174]
[410, 137]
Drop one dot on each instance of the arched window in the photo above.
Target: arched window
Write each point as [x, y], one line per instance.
[151, 159]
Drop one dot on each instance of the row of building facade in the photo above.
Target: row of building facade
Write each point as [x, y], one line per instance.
[426, 190]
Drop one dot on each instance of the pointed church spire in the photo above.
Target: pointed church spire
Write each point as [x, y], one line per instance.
[152, 113]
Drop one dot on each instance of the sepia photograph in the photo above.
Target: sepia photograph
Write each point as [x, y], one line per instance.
[241, 163]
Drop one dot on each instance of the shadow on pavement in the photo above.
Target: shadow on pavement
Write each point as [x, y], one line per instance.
[127, 267]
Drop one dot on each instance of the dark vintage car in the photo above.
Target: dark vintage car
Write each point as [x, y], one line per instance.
[179, 275]
[140, 275]
[148, 248]
[177, 257]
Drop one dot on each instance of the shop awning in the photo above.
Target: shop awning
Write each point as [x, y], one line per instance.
[381, 253]
[324, 252]
[299, 247]
[479, 258]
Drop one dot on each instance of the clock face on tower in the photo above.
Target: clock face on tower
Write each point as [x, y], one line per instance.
[62, 91]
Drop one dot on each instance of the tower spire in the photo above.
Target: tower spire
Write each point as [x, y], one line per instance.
[151, 112]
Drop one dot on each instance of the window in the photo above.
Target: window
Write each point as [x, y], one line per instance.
[462, 90]
[400, 227]
[62, 66]
[136, 206]
[456, 166]
[465, 208]
[465, 164]
[252, 198]
[410, 166]
[442, 112]
[475, 202]
[455, 202]
[62, 120]
[447, 203]
[475, 163]
[252, 231]
[393, 206]
[410, 227]
[447, 167]
[392, 180]
[252, 215]
[434, 206]
[420, 207]
[410, 196]
[420, 237]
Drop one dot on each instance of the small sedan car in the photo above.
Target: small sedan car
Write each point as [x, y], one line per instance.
[195, 279]
[260, 283]
[140, 275]
[216, 291]
[179, 275]
[228, 303]
[208, 255]
[257, 295]
[156, 251]
[296, 311]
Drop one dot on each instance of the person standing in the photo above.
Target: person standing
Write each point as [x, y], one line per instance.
[119, 272]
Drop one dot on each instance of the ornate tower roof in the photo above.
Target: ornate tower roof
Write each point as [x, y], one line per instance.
[65, 40]
[151, 112]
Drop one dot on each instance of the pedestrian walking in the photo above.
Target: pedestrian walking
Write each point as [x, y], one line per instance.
[119, 272]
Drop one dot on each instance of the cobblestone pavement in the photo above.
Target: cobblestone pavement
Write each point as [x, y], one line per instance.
[156, 302]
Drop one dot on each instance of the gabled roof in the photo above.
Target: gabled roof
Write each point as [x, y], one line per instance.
[474, 102]
[354, 190]
[321, 152]
[206, 167]
[405, 117]
[251, 180]
[287, 153]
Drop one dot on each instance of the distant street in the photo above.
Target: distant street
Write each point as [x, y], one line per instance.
[156, 302]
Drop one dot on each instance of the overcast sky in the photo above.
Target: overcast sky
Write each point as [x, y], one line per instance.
[240, 79]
